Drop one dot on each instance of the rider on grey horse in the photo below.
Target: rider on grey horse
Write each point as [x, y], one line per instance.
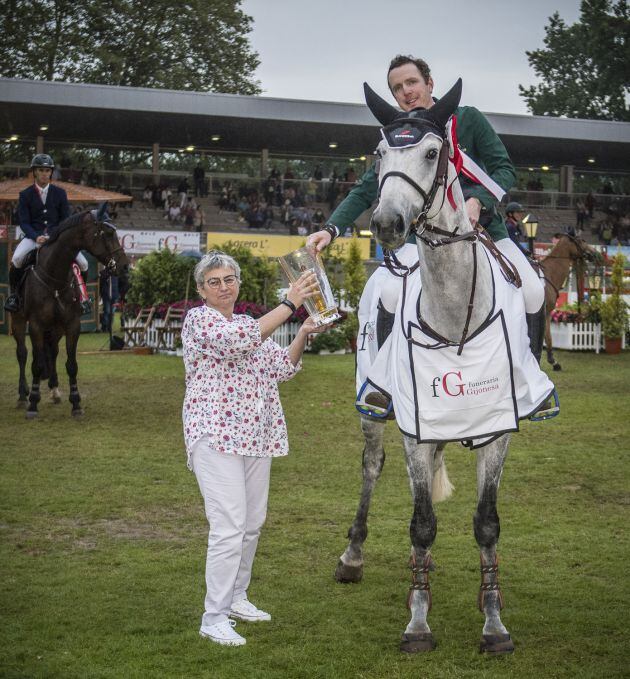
[410, 82]
[41, 208]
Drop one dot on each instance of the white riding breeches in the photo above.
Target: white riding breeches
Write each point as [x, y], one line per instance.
[26, 245]
[533, 288]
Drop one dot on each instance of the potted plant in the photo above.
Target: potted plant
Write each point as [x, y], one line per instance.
[614, 310]
[331, 342]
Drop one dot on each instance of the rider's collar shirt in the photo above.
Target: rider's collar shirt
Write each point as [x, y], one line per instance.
[43, 193]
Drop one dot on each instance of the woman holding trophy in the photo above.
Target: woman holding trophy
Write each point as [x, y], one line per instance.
[233, 426]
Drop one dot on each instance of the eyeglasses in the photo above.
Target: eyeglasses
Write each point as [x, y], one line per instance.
[215, 283]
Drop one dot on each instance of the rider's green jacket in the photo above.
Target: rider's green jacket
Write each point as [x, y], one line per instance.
[479, 141]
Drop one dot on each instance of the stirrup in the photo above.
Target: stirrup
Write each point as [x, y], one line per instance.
[547, 410]
[374, 404]
[86, 307]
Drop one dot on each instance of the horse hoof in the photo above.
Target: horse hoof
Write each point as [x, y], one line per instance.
[31, 414]
[345, 573]
[77, 413]
[21, 404]
[496, 644]
[556, 367]
[417, 643]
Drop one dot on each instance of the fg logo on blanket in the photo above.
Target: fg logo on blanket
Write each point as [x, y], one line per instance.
[453, 384]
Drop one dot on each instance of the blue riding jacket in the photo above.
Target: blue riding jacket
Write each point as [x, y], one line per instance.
[37, 218]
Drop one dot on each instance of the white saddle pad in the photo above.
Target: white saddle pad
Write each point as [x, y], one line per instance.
[439, 396]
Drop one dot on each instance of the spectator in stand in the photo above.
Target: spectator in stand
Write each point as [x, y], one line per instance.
[165, 198]
[581, 213]
[92, 178]
[318, 219]
[199, 177]
[268, 213]
[174, 211]
[147, 195]
[608, 188]
[318, 173]
[589, 202]
[606, 230]
[199, 220]
[182, 190]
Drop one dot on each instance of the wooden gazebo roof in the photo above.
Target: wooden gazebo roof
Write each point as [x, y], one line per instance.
[77, 193]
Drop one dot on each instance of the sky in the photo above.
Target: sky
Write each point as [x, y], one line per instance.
[324, 49]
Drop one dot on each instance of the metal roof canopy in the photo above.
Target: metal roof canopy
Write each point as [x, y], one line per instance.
[132, 117]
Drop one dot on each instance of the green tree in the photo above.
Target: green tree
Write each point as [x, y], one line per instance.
[199, 45]
[161, 277]
[584, 68]
[259, 275]
[355, 276]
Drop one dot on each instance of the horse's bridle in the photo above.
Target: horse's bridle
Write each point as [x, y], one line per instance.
[100, 233]
[447, 237]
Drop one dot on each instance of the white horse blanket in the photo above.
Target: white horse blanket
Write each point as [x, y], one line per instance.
[438, 395]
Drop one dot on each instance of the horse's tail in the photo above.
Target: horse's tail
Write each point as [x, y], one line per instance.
[442, 487]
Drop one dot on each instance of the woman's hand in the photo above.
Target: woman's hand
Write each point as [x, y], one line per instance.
[319, 240]
[305, 286]
[309, 327]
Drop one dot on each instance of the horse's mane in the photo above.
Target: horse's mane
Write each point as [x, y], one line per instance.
[69, 223]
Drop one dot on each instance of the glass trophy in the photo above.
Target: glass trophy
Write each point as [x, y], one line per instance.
[322, 307]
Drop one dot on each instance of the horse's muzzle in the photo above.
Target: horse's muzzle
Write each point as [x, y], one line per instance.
[389, 231]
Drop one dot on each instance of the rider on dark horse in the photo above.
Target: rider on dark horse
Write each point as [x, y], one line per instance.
[411, 84]
[41, 208]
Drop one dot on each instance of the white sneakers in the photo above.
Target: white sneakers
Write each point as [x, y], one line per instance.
[223, 633]
[245, 610]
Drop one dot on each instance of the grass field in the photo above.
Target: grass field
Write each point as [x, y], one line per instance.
[103, 537]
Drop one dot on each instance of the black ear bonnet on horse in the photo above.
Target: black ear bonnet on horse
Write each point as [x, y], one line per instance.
[407, 128]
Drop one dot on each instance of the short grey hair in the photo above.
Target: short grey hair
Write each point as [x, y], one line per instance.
[215, 259]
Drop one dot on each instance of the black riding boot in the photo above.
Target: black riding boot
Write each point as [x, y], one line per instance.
[536, 331]
[86, 304]
[13, 302]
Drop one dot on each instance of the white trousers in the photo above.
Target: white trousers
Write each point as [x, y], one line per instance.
[235, 489]
[27, 244]
[533, 288]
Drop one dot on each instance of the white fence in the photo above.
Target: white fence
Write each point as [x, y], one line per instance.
[284, 335]
[579, 336]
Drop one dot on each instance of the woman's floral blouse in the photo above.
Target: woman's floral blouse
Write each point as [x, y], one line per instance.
[231, 385]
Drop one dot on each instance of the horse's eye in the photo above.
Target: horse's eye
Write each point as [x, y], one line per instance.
[431, 154]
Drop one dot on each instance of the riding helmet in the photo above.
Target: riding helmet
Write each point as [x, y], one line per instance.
[42, 160]
[514, 207]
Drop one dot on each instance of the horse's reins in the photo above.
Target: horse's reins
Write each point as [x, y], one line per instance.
[110, 266]
[508, 269]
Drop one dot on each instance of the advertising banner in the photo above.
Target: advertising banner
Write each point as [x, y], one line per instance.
[277, 246]
[144, 242]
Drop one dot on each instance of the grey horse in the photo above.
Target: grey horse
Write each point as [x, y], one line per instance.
[413, 185]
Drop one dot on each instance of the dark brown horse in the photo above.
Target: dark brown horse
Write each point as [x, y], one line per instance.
[51, 306]
[568, 251]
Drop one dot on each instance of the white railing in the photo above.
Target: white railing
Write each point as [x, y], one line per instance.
[284, 335]
[579, 337]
